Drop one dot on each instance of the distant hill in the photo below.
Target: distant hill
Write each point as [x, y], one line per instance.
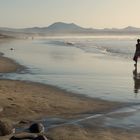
[61, 28]
[130, 28]
[56, 28]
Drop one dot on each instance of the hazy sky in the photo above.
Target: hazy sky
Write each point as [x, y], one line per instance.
[86, 13]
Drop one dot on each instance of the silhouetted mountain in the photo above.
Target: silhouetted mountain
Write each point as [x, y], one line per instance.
[56, 28]
[60, 28]
[130, 28]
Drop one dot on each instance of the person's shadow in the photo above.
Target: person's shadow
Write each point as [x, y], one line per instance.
[136, 77]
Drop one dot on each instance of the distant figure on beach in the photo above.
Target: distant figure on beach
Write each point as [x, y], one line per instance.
[11, 49]
[137, 52]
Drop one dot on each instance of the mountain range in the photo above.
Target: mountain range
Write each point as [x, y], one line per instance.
[61, 28]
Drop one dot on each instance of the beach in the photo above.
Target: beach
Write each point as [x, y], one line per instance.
[69, 70]
[26, 100]
[30, 101]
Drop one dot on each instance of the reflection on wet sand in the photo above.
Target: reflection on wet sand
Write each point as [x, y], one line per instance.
[136, 77]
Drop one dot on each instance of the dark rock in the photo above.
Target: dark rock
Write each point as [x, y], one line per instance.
[41, 137]
[37, 128]
[23, 136]
[14, 138]
[5, 128]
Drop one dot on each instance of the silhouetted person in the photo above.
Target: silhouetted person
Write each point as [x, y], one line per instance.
[137, 52]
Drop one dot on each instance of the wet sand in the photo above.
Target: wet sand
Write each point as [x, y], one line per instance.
[72, 132]
[23, 100]
[7, 65]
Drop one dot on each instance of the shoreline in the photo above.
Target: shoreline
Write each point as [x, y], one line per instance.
[59, 103]
[29, 101]
[8, 65]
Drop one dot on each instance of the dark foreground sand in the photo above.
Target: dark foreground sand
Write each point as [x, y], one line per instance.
[22, 100]
[72, 132]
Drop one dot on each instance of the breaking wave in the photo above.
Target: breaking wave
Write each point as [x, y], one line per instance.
[115, 47]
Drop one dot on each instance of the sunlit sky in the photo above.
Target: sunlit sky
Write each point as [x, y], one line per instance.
[86, 13]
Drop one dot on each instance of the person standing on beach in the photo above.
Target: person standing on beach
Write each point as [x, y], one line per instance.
[137, 52]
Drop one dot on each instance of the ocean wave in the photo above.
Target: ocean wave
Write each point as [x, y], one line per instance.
[61, 43]
[125, 53]
[122, 48]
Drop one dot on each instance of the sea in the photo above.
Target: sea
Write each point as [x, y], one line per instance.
[94, 66]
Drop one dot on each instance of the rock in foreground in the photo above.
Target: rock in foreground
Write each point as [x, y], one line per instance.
[23, 136]
[41, 137]
[6, 128]
[37, 128]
